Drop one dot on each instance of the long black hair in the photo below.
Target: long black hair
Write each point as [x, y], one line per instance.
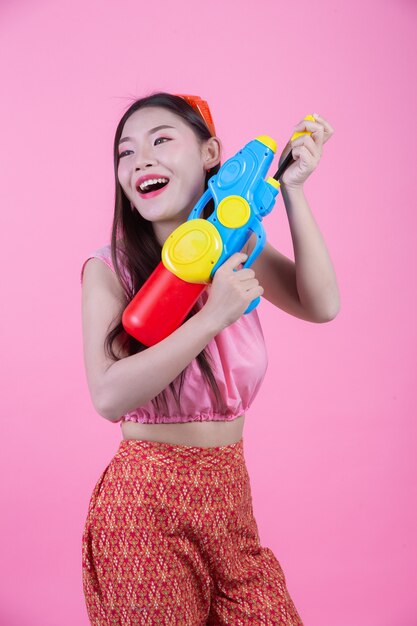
[133, 237]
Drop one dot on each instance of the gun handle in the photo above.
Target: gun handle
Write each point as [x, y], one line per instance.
[259, 246]
[252, 305]
[254, 302]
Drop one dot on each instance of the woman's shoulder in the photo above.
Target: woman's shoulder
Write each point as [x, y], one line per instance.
[104, 253]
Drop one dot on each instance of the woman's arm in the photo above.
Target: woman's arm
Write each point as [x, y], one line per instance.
[316, 281]
[136, 379]
[306, 288]
[118, 387]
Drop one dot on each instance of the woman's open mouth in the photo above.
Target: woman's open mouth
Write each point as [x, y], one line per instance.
[152, 187]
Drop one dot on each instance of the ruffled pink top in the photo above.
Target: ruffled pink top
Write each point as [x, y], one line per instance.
[239, 366]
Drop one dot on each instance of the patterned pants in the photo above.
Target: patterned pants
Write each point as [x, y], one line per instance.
[170, 539]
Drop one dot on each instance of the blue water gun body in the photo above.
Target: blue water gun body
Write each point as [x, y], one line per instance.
[242, 197]
[195, 250]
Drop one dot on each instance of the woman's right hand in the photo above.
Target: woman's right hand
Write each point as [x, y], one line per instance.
[231, 292]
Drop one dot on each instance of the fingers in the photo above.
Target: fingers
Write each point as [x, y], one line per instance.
[316, 130]
[246, 273]
[252, 283]
[321, 129]
[235, 260]
[312, 145]
[233, 263]
[328, 129]
[247, 278]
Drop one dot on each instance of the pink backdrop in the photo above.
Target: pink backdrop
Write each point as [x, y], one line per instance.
[330, 441]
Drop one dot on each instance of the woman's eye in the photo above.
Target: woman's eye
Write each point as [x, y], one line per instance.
[122, 154]
[167, 138]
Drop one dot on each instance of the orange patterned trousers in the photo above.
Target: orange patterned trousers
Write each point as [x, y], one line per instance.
[170, 539]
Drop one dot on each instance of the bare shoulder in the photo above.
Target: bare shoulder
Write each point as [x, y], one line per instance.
[98, 276]
[103, 302]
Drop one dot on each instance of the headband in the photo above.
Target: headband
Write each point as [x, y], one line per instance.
[201, 107]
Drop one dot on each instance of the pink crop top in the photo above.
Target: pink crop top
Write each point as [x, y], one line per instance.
[239, 366]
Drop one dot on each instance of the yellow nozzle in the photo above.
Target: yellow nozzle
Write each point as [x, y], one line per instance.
[268, 142]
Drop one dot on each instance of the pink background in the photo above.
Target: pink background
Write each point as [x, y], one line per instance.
[330, 441]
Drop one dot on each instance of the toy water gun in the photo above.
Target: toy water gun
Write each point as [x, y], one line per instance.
[194, 251]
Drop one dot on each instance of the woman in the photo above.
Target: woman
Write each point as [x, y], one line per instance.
[170, 536]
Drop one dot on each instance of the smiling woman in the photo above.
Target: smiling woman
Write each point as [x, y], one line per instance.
[181, 403]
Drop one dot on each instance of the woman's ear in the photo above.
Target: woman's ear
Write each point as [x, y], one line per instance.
[212, 152]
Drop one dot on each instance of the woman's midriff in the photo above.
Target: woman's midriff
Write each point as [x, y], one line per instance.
[202, 434]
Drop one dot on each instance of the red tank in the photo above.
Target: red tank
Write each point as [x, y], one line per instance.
[160, 306]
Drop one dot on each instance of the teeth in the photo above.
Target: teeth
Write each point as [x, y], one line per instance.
[152, 181]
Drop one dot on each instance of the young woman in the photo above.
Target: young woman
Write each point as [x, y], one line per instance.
[170, 536]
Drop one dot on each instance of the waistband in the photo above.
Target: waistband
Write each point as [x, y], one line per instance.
[176, 456]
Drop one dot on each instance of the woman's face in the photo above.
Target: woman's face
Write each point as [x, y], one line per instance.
[157, 144]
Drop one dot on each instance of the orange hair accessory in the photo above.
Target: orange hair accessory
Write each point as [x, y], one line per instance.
[202, 107]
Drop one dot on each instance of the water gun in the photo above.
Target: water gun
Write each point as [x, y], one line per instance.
[194, 251]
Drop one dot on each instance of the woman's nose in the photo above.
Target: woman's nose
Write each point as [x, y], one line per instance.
[144, 158]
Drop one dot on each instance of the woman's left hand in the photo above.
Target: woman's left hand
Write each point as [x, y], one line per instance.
[306, 151]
